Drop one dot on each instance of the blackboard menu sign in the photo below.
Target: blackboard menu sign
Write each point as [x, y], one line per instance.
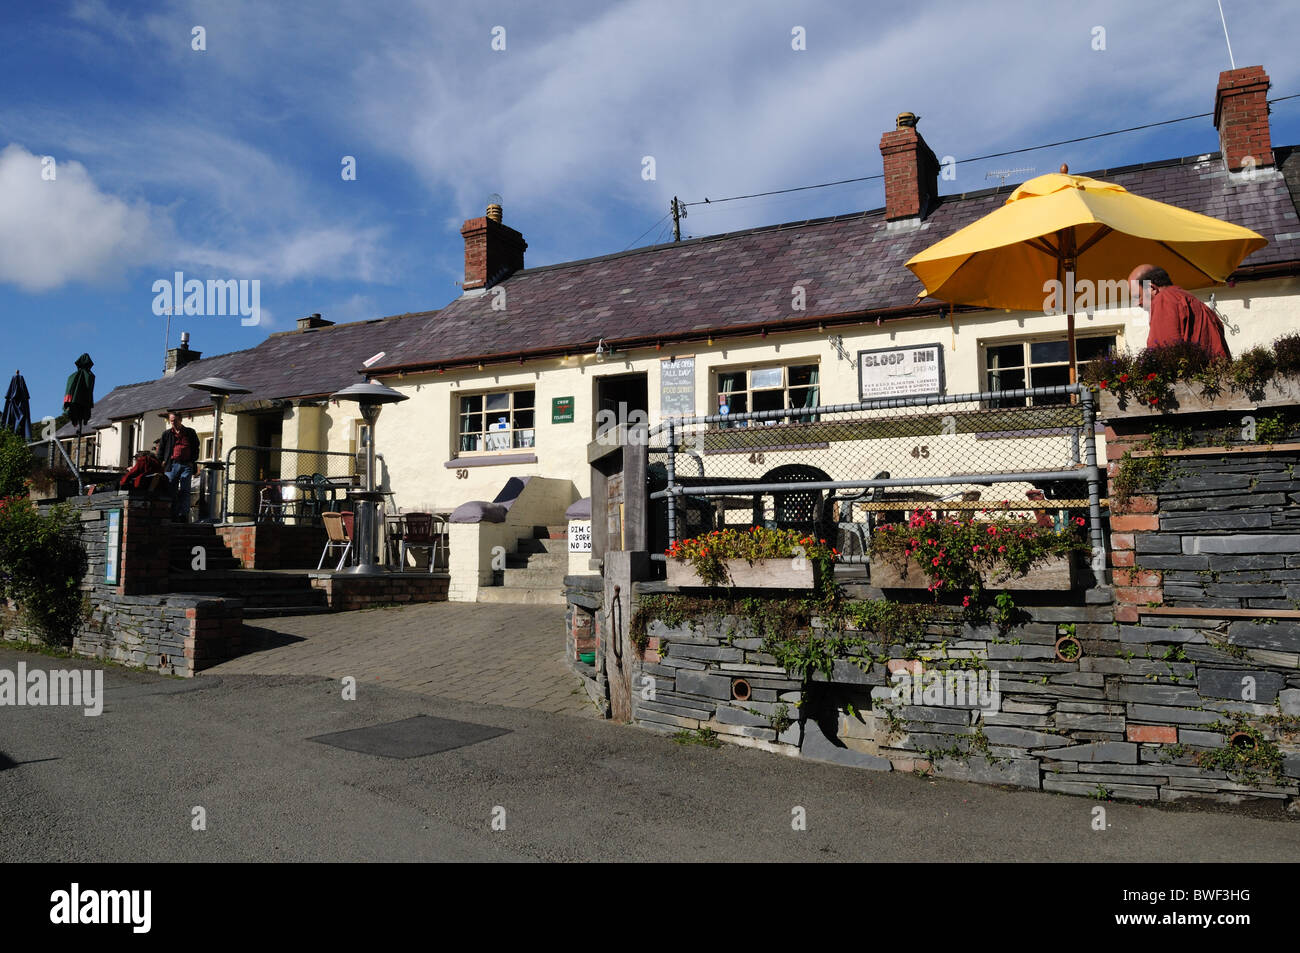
[677, 387]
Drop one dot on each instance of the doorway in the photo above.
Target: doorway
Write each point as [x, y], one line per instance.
[618, 398]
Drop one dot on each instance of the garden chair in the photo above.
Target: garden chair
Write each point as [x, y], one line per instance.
[270, 507]
[796, 509]
[419, 533]
[338, 536]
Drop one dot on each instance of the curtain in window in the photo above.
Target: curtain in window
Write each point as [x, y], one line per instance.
[812, 396]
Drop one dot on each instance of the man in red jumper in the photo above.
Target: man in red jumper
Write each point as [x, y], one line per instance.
[1175, 314]
[179, 451]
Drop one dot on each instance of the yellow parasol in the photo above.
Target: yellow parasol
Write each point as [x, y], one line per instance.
[1079, 232]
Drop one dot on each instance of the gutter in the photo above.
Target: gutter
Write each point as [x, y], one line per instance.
[762, 328]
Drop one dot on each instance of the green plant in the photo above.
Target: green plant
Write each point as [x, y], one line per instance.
[1271, 429]
[780, 718]
[42, 562]
[1099, 793]
[705, 737]
[15, 464]
[1250, 757]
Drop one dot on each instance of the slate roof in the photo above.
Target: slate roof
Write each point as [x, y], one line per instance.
[847, 264]
[289, 364]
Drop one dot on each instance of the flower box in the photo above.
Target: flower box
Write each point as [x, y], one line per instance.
[760, 574]
[1057, 573]
[1279, 392]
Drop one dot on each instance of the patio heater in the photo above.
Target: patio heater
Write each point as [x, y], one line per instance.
[218, 388]
[371, 397]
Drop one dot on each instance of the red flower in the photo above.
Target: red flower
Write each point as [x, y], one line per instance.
[1154, 401]
[1123, 378]
[934, 561]
[965, 601]
[1103, 385]
[993, 531]
[1151, 376]
[1002, 549]
[1080, 520]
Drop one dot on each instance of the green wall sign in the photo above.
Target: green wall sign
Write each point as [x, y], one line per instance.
[561, 410]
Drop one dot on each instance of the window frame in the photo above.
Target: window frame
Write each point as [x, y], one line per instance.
[1026, 343]
[484, 450]
[720, 371]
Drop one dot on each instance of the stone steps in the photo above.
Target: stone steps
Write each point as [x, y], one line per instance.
[522, 596]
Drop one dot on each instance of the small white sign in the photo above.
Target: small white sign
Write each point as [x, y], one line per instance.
[580, 536]
[900, 371]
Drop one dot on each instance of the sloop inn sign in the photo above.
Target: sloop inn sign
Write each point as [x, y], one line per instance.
[900, 372]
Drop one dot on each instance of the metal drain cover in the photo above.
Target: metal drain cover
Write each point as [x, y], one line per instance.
[411, 737]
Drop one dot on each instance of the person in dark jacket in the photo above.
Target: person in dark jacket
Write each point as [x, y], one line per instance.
[179, 451]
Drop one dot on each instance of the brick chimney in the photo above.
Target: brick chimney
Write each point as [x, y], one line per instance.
[493, 251]
[313, 321]
[178, 357]
[1241, 116]
[911, 171]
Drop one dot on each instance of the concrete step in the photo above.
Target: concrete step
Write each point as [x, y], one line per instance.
[547, 596]
[270, 612]
[527, 546]
[542, 560]
[532, 578]
[185, 563]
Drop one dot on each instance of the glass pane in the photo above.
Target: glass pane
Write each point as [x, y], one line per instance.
[766, 377]
[769, 400]
[730, 382]
[1051, 377]
[1089, 349]
[471, 404]
[524, 438]
[523, 398]
[471, 423]
[498, 401]
[801, 375]
[1049, 352]
[1006, 379]
[523, 419]
[1009, 355]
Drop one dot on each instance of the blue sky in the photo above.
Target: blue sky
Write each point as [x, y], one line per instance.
[225, 163]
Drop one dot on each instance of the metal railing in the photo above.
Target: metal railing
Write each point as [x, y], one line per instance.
[845, 468]
[49, 458]
[250, 469]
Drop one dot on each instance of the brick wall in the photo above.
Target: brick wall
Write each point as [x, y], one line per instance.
[345, 592]
[274, 545]
[1241, 116]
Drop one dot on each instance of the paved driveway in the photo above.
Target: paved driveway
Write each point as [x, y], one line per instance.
[491, 654]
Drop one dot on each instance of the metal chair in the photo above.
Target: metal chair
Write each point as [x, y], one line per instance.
[796, 509]
[338, 535]
[270, 507]
[308, 506]
[418, 534]
[852, 538]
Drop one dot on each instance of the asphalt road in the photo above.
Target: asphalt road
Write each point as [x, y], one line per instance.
[122, 787]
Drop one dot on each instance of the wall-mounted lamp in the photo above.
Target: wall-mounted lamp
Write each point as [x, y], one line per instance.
[603, 352]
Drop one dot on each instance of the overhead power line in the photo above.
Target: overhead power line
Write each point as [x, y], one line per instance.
[991, 155]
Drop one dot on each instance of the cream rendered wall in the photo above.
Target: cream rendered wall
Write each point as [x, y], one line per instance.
[416, 436]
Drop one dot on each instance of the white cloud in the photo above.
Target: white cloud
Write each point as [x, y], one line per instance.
[65, 229]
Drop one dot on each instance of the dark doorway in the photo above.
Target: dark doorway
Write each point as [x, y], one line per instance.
[621, 399]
